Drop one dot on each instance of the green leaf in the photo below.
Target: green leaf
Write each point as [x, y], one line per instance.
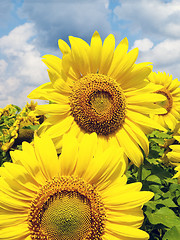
[158, 140]
[159, 134]
[32, 127]
[178, 201]
[172, 234]
[163, 216]
[174, 187]
[167, 195]
[163, 135]
[166, 202]
[145, 173]
[154, 178]
[155, 189]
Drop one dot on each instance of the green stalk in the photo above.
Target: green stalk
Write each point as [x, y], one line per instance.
[139, 176]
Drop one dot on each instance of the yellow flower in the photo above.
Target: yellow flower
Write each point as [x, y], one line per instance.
[174, 155]
[177, 175]
[13, 132]
[97, 89]
[170, 89]
[82, 194]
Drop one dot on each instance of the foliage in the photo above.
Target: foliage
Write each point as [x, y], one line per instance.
[162, 213]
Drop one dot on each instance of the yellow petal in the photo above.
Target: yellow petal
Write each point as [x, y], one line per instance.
[107, 54]
[174, 156]
[175, 113]
[130, 146]
[134, 79]
[147, 97]
[47, 92]
[64, 47]
[18, 232]
[87, 148]
[128, 200]
[147, 108]
[175, 147]
[19, 174]
[127, 219]
[143, 141]
[95, 52]
[14, 192]
[10, 203]
[144, 120]
[106, 166]
[20, 157]
[53, 109]
[80, 53]
[53, 62]
[115, 190]
[47, 156]
[119, 53]
[8, 219]
[127, 232]
[68, 157]
[70, 68]
[59, 82]
[170, 120]
[174, 84]
[126, 63]
[56, 126]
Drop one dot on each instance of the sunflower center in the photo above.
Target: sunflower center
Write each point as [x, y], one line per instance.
[167, 104]
[67, 217]
[101, 101]
[67, 209]
[98, 104]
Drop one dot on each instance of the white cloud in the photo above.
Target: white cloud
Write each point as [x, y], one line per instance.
[156, 22]
[3, 66]
[143, 44]
[21, 68]
[60, 19]
[165, 56]
[151, 18]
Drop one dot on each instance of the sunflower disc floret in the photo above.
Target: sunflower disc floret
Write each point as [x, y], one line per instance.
[67, 209]
[98, 104]
[170, 89]
[168, 103]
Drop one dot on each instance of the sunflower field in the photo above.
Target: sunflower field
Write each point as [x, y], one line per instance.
[101, 158]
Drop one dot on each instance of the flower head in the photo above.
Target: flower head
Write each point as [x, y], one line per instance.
[97, 89]
[13, 123]
[171, 90]
[82, 194]
[174, 155]
[177, 175]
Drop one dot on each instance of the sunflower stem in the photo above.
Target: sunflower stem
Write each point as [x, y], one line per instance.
[139, 176]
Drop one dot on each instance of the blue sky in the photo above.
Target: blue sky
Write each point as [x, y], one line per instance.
[31, 28]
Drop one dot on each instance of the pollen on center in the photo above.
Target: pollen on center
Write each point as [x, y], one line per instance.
[98, 104]
[67, 218]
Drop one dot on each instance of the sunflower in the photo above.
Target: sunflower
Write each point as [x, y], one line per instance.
[174, 155]
[82, 194]
[97, 89]
[168, 143]
[170, 89]
[177, 175]
[14, 124]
